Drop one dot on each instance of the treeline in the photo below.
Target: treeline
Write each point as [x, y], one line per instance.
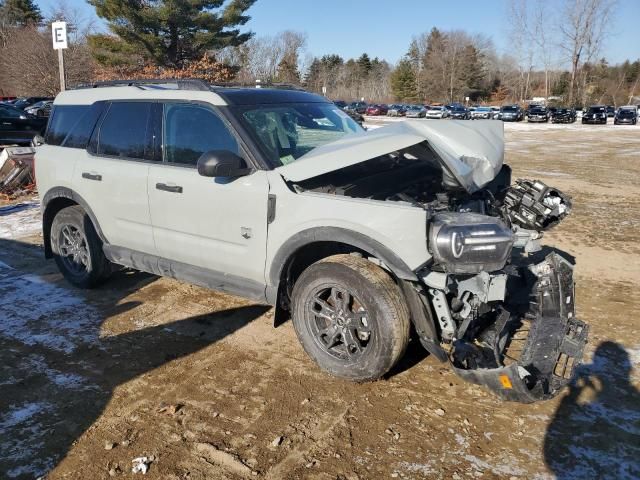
[188, 38]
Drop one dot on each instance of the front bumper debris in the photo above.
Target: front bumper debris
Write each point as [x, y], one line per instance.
[531, 355]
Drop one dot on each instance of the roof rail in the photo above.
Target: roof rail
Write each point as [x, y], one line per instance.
[257, 84]
[182, 83]
[185, 84]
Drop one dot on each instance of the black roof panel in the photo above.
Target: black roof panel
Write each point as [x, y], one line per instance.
[257, 96]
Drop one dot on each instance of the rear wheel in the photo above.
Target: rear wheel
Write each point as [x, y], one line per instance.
[77, 248]
[350, 317]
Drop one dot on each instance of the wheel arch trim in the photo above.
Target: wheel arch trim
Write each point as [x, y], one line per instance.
[338, 235]
[47, 219]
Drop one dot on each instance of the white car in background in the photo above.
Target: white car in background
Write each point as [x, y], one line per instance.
[437, 112]
[482, 113]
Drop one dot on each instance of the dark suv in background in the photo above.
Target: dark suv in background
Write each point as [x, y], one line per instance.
[511, 113]
[563, 115]
[595, 114]
[625, 116]
[18, 127]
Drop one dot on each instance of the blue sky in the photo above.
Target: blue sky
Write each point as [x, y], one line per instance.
[384, 28]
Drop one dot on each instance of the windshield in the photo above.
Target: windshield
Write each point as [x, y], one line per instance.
[509, 108]
[596, 109]
[483, 109]
[287, 132]
[437, 109]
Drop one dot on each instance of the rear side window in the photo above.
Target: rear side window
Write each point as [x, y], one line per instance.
[81, 132]
[191, 130]
[63, 120]
[123, 132]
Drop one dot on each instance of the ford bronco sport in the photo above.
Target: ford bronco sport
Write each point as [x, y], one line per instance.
[361, 237]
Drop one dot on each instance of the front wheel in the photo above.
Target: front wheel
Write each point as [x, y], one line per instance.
[77, 248]
[350, 317]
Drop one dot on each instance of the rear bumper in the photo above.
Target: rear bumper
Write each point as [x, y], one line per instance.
[530, 356]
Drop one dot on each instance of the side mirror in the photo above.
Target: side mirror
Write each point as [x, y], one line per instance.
[222, 163]
[37, 141]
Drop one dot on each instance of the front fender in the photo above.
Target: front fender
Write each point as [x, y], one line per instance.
[335, 234]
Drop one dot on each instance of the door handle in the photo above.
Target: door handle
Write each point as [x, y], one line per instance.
[169, 188]
[92, 176]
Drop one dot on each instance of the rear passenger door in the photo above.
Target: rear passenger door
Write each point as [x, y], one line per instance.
[112, 176]
[218, 224]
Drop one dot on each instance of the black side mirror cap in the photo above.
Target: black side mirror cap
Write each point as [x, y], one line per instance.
[37, 141]
[222, 163]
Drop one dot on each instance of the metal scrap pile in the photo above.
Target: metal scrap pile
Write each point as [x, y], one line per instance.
[17, 175]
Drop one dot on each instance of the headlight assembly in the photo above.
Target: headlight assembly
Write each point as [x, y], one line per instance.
[469, 242]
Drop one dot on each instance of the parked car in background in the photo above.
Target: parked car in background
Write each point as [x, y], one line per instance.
[611, 111]
[595, 114]
[437, 112]
[7, 99]
[396, 110]
[511, 113]
[18, 127]
[458, 112]
[26, 102]
[40, 109]
[416, 111]
[482, 113]
[563, 115]
[377, 109]
[626, 116]
[538, 114]
[340, 104]
[495, 113]
[357, 107]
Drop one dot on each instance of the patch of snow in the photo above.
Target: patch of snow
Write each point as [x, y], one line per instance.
[20, 220]
[423, 468]
[17, 415]
[501, 469]
[37, 312]
[26, 418]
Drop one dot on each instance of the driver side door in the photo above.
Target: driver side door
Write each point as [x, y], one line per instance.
[217, 224]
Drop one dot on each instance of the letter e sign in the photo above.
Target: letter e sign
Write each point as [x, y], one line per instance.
[59, 34]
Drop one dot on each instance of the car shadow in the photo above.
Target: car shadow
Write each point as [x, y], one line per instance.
[59, 366]
[595, 432]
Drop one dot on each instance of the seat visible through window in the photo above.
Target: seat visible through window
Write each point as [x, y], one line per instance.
[191, 130]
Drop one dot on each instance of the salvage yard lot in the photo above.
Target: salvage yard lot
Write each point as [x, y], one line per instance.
[205, 387]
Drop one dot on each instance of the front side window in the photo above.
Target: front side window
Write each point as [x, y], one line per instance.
[123, 132]
[191, 130]
[287, 132]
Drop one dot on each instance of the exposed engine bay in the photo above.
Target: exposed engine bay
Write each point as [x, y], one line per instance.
[502, 307]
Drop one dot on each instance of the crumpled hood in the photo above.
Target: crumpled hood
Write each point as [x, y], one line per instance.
[471, 151]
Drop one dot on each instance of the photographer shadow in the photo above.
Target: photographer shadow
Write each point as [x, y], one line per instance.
[595, 432]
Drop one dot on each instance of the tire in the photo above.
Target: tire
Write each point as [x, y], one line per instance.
[359, 356]
[77, 248]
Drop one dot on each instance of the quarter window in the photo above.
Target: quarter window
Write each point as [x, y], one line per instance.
[191, 130]
[64, 119]
[123, 132]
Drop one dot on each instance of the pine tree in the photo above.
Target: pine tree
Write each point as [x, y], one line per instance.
[403, 82]
[364, 63]
[170, 33]
[21, 12]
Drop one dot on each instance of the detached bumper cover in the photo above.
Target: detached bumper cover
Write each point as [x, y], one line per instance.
[548, 340]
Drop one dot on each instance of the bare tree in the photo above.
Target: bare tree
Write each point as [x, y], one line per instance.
[583, 26]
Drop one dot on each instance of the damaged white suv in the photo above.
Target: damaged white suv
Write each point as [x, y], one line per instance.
[362, 237]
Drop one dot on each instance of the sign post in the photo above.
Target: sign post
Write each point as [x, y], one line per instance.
[59, 34]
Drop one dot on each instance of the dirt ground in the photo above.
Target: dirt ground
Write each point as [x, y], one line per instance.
[203, 385]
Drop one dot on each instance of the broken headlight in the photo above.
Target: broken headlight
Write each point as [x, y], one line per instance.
[469, 242]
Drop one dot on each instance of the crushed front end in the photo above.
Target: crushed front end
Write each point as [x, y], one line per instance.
[502, 305]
